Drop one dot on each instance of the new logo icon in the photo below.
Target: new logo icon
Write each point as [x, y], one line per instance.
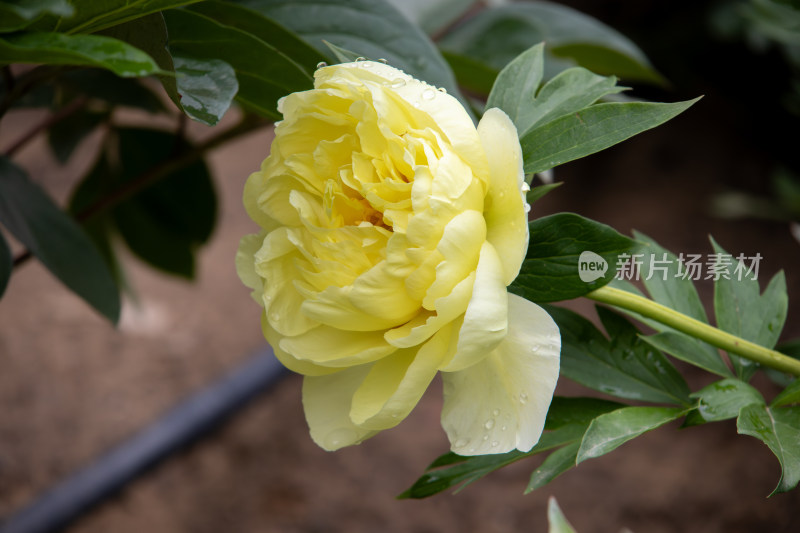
[591, 266]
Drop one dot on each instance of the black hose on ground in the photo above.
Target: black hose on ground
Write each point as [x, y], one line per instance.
[186, 423]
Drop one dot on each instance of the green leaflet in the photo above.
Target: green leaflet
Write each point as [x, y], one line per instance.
[778, 428]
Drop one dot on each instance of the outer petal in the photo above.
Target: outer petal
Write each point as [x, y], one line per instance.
[294, 364]
[326, 400]
[486, 319]
[327, 346]
[500, 403]
[506, 217]
[396, 383]
[246, 264]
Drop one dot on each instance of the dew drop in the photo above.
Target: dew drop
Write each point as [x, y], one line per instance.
[535, 348]
[496, 412]
[340, 437]
[495, 443]
[460, 443]
[428, 94]
[472, 450]
[527, 208]
[442, 90]
[523, 398]
[398, 82]
[359, 59]
[382, 60]
[489, 424]
[322, 64]
[504, 428]
[275, 317]
[486, 437]
[525, 186]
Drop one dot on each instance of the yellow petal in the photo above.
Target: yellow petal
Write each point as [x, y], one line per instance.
[395, 384]
[246, 264]
[327, 346]
[326, 401]
[500, 403]
[506, 217]
[486, 319]
[288, 360]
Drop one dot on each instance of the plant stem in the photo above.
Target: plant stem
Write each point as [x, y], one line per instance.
[700, 330]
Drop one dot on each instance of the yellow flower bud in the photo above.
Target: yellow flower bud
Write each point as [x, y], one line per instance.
[391, 227]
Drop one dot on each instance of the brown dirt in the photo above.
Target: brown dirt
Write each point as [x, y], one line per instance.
[71, 386]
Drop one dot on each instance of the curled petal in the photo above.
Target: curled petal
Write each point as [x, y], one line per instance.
[500, 403]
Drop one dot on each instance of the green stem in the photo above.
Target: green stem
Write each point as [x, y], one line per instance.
[695, 328]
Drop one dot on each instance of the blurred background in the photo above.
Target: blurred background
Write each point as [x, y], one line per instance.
[72, 386]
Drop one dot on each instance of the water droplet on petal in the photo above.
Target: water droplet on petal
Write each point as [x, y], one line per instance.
[489, 424]
[359, 59]
[495, 443]
[382, 60]
[442, 90]
[527, 208]
[428, 94]
[322, 64]
[460, 443]
[398, 82]
[496, 412]
[486, 437]
[504, 428]
[525, 186]
[275, 317]
[535, 348]
[523, 398]
[340, 437]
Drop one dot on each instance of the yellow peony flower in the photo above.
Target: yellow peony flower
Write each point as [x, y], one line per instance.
[391, 228]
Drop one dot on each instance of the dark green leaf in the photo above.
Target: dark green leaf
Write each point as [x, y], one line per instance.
[263, 28]
[495, 36]
[84, 50]
[564, 250]
[6, 264]
[433, 16]
[724, 399]
[165, 223]
[689, 349]
[516, 86]
[104, 85]
[608, 432]
[373, 28]
[149, 34]
[264, 73]
[342, 55]
[778, 428]
[593, 129]
[553, 466]
[538, 192]
[95, 15]
[53, 237]
[65, 135]
[623, 366]
[472, 75]
[207, 87]
[789, 395]
[741, 309]
[576, 410]
[18, 15]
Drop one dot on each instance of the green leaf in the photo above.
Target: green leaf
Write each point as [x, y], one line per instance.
[778, 428]
[592, 129]
[689, 349]
[555, 261]
[576, 410]
[741, 309]
[724, 399]
[432, 15]
[556, 519]
[623, 366]
[608, 432]
[553, 466]
[515, 88]
[104, 85]
[207, 87]
[538, 192]
[789, 395]
[56, 240]
[373, 28]
[263, 28]
[65, 135]
[264, 73]
[495, 36]
[342, 55]
[6, 264]
[165, 223]
[17, 15]
[517, 92]
[83, 50]
[472, 75]
[95, 15]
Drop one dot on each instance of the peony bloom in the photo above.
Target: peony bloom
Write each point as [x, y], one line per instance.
[391, 228]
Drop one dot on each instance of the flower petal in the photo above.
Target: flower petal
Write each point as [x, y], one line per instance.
[486, 319]
[246, 264]
[396, 383]
[294, 364]
[505, 212]
[500, 403]
[327, 400]
[334, 347]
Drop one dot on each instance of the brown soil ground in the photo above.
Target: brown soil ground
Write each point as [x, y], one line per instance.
[71, 386]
